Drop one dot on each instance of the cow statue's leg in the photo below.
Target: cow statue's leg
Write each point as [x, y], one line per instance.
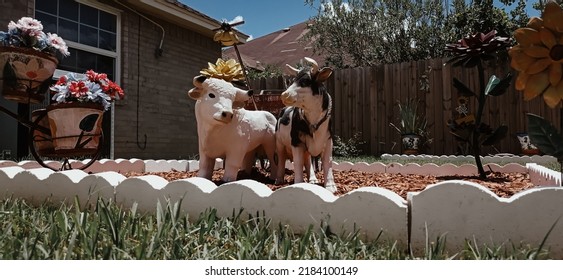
[310, 169]
[270, 151]
[249, 161]
[280, 163]
[206, 165]
[327, 167]
[298, 162]
[233, 164]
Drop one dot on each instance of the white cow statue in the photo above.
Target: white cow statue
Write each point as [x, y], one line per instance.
[303, 128]
[226, 130]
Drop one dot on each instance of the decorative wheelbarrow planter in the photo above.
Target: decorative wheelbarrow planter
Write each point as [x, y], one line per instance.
[71, 125]
[461, 210]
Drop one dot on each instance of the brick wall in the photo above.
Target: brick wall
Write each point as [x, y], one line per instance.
[156, 104]
[11, 10]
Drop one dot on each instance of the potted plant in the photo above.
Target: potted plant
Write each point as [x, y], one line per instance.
[412, 127]
[28, 59]
[75, 117]
[526, 145]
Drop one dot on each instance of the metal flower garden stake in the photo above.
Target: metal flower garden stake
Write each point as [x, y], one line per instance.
[538, 58]
[227, 36]
[474, 51]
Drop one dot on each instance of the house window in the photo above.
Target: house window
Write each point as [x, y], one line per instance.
[90, 32]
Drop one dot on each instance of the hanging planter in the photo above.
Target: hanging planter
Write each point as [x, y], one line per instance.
[526, 146]
[411, 143]
[26, 73]
[76, 128]
[28, 60]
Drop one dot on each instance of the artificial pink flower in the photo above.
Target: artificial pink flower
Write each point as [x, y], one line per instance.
[13, 26]
[31, 26]
[58, 43]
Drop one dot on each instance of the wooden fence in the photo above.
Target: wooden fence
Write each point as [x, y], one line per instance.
[365, 101]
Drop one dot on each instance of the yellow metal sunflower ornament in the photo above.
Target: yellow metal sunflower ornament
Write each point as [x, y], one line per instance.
[538, 56]
[229, 70]
[226, 35]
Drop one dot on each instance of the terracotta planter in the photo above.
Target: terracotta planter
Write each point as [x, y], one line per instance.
[43, 143]
[411, 143]
[25, 74]
[76, 128]
[526, 146]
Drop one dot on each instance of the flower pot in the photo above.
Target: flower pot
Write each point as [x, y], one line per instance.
[76, 128]
[526, 146]
[25, 74]
[43, 143]
[410, 143]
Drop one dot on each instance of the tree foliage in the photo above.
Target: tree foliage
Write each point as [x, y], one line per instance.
[367, 32]
[269, 71]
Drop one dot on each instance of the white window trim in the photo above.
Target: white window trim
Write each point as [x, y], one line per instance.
[91, 49]
[100, 6]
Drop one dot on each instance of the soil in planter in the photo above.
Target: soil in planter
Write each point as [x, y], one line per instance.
[503, 184]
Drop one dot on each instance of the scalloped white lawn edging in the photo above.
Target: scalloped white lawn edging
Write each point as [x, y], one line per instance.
[458, 209]
[499, 158]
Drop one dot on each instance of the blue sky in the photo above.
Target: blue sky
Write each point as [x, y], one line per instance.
[263, 17]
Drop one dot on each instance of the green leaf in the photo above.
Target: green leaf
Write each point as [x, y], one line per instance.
[462, 88]
[545, 136]
[496, 136]
[493, 82]
[498, 87]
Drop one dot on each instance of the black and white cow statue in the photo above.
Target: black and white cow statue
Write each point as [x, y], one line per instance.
[303, 128]
[226, 130]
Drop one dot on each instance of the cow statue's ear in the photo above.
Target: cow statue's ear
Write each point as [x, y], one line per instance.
[195, 93]
[198, 80]
[238, 105]
[242, 95]
[324, 74]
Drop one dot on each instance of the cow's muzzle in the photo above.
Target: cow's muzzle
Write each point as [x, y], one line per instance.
[287, 98]
[224, 116]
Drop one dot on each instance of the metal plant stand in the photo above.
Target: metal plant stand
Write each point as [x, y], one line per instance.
[40, 134]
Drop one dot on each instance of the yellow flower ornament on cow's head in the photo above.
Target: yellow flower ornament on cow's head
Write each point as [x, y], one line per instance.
[538, 56]
[229, 70]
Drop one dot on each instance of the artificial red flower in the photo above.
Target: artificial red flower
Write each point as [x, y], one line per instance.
[78, 89]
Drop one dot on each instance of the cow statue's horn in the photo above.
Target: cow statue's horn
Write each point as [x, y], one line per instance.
[292, 70]
[314, 64]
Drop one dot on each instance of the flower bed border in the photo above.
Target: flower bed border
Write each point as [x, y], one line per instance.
[460, 209]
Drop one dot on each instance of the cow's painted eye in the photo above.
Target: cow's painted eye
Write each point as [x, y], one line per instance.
[212, 95]
[305, 82]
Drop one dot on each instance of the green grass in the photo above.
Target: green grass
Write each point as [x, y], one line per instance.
[107, 231]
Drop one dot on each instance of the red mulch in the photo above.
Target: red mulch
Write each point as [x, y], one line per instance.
[503, 184]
